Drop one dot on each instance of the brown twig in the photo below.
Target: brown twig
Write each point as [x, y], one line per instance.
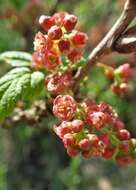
[106, 46]
[125, 44]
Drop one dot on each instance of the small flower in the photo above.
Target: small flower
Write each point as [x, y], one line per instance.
[39, 42]
[52, 60]
[64, 107]
[38, 59]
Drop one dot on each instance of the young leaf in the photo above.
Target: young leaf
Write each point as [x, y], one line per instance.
[19, 83]
[16, 59]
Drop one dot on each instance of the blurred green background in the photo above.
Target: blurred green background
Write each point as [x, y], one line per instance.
[34, 158]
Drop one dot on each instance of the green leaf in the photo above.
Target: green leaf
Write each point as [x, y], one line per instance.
[16, 58]
[19, 84]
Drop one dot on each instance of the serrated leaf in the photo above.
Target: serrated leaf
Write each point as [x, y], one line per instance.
[19, 63]
[16, 58]
[18, 84]
[16, 55]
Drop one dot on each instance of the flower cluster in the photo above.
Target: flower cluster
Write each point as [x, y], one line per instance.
[93, 129]
[59, 49]
[86, 128]
[119, 76]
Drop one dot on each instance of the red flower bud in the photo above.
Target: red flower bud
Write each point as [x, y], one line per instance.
[46, 22]
[108, 153]
[68, 140]
[118, 125]
[69, 22]
[124, 147]
[72, 152]
[105, 139]
[123, 134]
[123, 70]
[79, 39]
[77, 125]
[97, 119]
[62, 129]
[49, 43]
[64, 45]
[55, 33]
[74, 55]
[94, 140]
[124, 160]
[59, 17]
[85, 144]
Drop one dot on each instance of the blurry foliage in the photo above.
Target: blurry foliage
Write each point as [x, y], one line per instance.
[11, 41]
[34, 158]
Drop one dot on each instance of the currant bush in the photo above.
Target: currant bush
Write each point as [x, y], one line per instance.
[84, 126]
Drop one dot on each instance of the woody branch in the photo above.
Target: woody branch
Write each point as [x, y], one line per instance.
[111, 42]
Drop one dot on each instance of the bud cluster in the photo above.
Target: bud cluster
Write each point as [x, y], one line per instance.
[119, 76]
[93, 129]
[61, 42]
